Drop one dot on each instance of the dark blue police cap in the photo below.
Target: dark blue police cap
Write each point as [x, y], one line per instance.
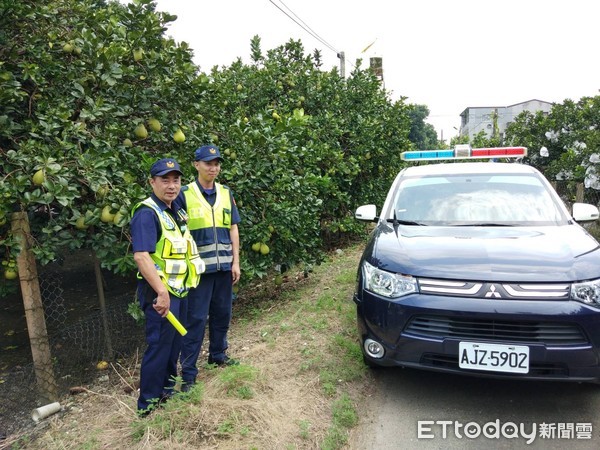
[207, 153]
[164, 166]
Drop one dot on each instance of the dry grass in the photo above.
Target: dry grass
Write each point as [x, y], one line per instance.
[276, 399]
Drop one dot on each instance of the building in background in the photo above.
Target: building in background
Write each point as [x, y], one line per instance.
[495, 119]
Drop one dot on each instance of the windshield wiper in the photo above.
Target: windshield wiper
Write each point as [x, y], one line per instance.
[405, 222]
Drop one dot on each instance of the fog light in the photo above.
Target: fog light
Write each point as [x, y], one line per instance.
[373, 348]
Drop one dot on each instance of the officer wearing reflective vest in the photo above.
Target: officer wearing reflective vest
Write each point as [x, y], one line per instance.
[169, 266]
[213, 219]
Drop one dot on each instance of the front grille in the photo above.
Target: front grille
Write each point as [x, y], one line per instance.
[439, 327]
[495, 291]
[451, 362]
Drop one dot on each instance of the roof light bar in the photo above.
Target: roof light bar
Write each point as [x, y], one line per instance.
[464, 152]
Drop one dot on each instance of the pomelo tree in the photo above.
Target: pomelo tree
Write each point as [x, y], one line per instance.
[83, 85]
[92, 92]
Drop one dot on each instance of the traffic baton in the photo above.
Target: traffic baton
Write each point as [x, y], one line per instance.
[176, 323]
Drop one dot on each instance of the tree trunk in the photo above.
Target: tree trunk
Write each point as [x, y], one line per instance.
[102, 299]
[580, 194]
[34, 309]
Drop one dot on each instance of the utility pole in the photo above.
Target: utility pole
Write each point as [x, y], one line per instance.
[342, 57]
[495, 130]
[376, 64]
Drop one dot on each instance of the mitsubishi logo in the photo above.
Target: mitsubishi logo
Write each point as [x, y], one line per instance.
[492, 292]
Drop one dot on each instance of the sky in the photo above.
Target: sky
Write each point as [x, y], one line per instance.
[446, 54]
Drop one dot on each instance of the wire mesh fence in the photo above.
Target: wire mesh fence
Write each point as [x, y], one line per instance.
[80, 332]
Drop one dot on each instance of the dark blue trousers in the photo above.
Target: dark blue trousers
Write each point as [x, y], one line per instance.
[159, 364]
[209, 303]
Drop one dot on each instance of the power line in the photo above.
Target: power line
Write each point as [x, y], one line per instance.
[307, 26]
[303, 25]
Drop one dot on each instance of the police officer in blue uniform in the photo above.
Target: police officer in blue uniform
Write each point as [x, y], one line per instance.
[213, 219]
[169, 266]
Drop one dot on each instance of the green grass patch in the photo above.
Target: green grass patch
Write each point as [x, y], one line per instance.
[344, 417]
[164, 420]
[238, 381]
[304, 426]
[233, 424]
[227, 427]
[344, 412]
[347, 277]
[91, 442]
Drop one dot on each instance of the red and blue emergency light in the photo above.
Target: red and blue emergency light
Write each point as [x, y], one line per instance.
[463, 151]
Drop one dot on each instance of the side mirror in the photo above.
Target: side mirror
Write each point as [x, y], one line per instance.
[584, 212]
[367, 213]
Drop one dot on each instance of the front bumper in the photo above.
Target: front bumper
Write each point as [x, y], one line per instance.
[424, 331]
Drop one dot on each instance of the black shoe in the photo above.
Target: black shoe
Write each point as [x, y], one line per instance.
[156, 403]
[164, 398]
[143, 413]
[187, 386]
[227, 361]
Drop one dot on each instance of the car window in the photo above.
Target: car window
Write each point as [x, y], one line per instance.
[474, 199]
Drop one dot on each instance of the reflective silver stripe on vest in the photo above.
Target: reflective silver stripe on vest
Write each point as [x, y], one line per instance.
[213, 260]
[222, 255]
[172, 280]
[211, 248]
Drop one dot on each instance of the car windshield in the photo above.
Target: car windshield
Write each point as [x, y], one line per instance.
[476, 199]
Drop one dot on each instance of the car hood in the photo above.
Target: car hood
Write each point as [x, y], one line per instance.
[510, 254]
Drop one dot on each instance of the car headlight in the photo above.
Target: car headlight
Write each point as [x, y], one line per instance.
[587, 292]
[387, 284]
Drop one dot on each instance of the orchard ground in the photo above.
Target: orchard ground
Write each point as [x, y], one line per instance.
[299, 385]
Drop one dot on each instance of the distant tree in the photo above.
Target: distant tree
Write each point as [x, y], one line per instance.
[528, 130]
[464, 139]
[482, 140]
[565, 143]
[422, 134]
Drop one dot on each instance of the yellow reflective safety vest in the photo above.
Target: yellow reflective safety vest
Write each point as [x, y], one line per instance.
[176, 257]
[210, 226]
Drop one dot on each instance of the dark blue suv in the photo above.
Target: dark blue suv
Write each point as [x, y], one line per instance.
[479, 268]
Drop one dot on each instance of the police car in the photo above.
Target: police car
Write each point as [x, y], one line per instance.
[479, 268]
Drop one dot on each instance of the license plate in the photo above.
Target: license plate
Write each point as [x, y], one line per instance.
[493, 357]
